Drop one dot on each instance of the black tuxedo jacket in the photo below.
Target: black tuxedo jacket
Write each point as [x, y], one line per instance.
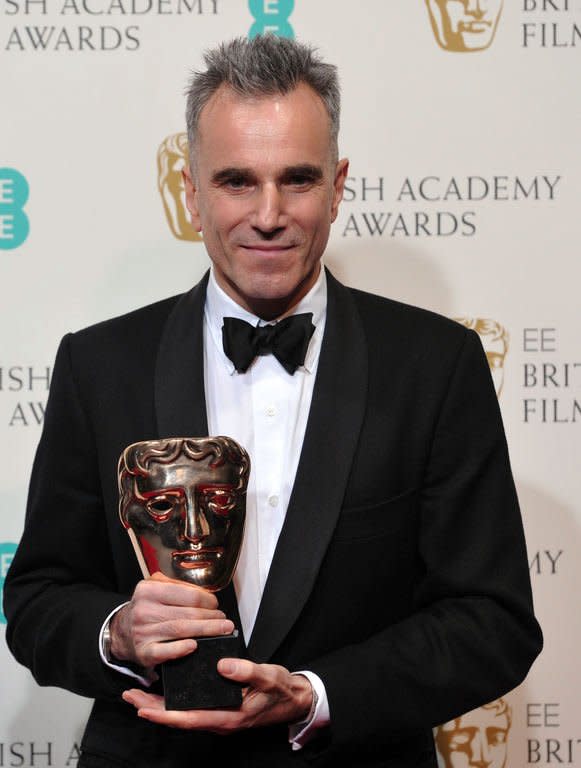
[400, 576]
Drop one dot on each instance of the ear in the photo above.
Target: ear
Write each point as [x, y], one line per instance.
[341, 172]
[191, 198]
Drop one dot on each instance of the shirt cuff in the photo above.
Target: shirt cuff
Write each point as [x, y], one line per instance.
[301, 733]
[145, 677]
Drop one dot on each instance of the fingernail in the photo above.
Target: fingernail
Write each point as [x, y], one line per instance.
[227, 627]
[226, 666]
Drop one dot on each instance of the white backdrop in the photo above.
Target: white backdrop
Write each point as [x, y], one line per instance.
[463, 197]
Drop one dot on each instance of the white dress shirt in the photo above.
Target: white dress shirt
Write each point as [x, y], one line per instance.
[264, 409]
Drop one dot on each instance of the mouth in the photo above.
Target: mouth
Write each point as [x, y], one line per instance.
[267, 248]
[189, 559]
[475, 26]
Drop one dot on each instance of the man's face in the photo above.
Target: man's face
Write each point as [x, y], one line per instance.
[465, 25]
[265, 192]
[189, 519]
[478, 740]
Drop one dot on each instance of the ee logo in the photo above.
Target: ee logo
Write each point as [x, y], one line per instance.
[14, 224]
[7, 550]
[271, 16]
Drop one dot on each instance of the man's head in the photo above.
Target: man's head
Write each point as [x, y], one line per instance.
[264, 182]
[258, 68]
[478, 739]
[184, 500]
[495, 340]
[464, 25]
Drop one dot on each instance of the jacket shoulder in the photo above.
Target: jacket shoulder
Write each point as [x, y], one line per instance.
[145, 320]
[412, 325]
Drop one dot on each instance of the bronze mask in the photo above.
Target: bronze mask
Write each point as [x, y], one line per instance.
[183, 503]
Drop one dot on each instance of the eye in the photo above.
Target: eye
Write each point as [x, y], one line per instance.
[300, 180]
[161, 507]
[459, 740]
[220, 502]
[236, 182]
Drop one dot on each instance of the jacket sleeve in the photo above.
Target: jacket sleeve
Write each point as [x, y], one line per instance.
[471, 635]
[60, 586]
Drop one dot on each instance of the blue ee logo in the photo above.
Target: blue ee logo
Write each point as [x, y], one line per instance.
[271, 16]
[14, 225]
[7, 550]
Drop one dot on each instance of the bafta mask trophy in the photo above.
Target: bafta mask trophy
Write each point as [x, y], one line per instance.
[183, 504]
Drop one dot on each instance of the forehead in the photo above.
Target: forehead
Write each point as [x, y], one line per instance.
[185, 472]
[289, 128]
[483, 718]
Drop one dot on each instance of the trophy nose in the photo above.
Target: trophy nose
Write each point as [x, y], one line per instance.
[196, 527]
[474, 9]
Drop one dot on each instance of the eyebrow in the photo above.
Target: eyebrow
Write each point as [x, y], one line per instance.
[315, 172]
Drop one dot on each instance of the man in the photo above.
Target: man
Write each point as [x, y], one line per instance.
[464, 25]
[383, 559]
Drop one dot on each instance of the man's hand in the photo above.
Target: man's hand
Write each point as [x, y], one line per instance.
[161, 620]
[273, 696]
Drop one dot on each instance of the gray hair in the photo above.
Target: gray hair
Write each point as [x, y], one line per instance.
[264, 66]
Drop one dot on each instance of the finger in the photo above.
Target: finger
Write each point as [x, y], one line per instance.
[172, 592]
[139, 698]
[215, 720]
[148, 611]
[178, 629]
[159, 576]
[259, 676]
[152, 654]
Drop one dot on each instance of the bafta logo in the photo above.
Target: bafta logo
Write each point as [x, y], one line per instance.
[172, 156]
[495, 340]
[464, 25]
[478, 739]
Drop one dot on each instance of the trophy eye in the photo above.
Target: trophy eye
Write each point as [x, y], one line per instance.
[220, 502]
[161, 508]
[459, 740]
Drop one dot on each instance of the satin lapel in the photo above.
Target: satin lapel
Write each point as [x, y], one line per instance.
[180, 401]
[335, 418]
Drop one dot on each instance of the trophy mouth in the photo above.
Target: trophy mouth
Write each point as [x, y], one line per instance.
[475, 26]
[189, 559]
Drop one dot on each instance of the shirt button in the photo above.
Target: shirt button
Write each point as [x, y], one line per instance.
[273, 500]
[271, 410]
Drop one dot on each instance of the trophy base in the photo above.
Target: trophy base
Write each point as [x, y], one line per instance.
[193, 682]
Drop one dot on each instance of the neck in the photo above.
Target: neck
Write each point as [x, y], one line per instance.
[270, 308]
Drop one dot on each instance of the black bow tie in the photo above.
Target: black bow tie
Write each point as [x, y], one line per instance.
[287, 340]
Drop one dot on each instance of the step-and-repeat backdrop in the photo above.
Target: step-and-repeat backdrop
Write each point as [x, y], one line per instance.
[462, 121]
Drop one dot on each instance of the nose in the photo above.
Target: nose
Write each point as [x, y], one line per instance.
[268, 214]
[474, 8]
[481, 757]
[196, 527]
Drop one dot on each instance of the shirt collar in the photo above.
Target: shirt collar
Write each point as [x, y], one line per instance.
[219, 305]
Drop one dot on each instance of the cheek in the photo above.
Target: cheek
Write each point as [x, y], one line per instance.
[312, 218]
[233, 535]
[455, 12]
[223, 215]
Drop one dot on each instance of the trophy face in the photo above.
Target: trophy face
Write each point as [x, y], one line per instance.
[464, 25]
[184, 502]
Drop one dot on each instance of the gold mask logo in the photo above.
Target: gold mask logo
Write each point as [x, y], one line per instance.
[478, 739]
[464, 25]
[172, 157]
[495, 341]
